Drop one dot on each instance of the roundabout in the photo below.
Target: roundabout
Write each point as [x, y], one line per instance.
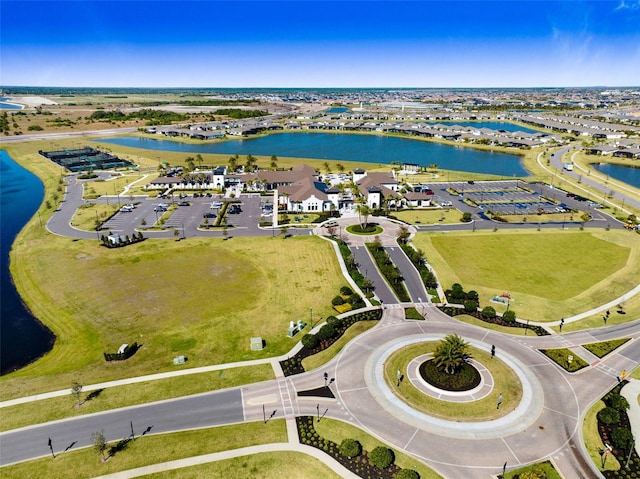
[456, 425]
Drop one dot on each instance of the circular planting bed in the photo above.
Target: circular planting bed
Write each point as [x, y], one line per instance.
[504, 381]
[465, 379]
[371, 229]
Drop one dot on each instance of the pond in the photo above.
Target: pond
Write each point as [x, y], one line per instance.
[626, 174]
[374, 149]
[22, 337]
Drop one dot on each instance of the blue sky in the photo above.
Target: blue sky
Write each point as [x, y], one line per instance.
[163, 43]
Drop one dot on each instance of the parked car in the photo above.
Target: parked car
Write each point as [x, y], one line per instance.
[159, 208]
[209, 215]
[183, 203]
[126, 209]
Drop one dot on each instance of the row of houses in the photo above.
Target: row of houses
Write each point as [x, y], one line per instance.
[301, 189]
[578, 126]
[631, 151]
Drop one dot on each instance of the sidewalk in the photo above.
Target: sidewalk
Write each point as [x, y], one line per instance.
[631, 392]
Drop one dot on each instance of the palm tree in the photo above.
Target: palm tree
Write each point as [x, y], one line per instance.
[451, 353]
[327, 167]
[274, 162]
[363, 212]
[340, 167]
[233, 163]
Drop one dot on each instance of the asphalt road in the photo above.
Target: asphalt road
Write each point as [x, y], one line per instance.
[204, 410]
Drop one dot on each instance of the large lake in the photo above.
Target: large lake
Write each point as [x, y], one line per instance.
[375, 149]
[22, 337]
[626, 174]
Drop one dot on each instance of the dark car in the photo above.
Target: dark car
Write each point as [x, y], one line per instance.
[209, 215]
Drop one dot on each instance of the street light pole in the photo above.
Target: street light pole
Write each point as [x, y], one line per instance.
[633, 444]
[311, 318]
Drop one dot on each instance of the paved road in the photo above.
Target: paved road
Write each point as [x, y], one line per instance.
[204, 410]
[548, 424]
[413, 282]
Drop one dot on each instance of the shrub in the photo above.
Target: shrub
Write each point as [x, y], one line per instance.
[535, 474]
[466, 217]
[621, 438]
[354, 299]
[488, 312]
[509, 316]
[326, 332]
[470, 306]
[382, 457]
[343, 308]
[346, 291]
[406, 474]
[309, 341]
[608, 415]
[473, 295]
[617, 401]
[337, 301]
[333, 321]
[350, 448]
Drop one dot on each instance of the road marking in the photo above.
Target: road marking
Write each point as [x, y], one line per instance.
[410, 439]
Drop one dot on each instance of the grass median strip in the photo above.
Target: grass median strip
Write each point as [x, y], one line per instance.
[46, 410]
[151, 449]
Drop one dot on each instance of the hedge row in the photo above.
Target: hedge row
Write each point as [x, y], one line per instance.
[293, 365]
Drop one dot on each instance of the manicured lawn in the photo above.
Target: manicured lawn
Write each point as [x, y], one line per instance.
[549, 274]
[603, 348]
[265, 465]
[336, 431]
[561, 357]
[506, 383]
[593, 441]
[465, 318]
[113, 187]
[434, 216]
[150, 449]
[45, 410]
[85, 218]
[546, 467]
[311, 362]
[203, 298]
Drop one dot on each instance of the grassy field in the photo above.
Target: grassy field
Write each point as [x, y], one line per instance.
[549, 274]
[434, 216]
[46, 410]
[266, 465]
[85, 218]
[150, 449]
[203, 298]
[506, 383]
[112, 187]
[336, 431]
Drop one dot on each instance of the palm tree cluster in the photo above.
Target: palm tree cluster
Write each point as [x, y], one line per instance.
[451, 354]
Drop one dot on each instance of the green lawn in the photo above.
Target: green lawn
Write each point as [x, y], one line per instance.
[150, 449]
[592, 440]
[203, 298]
[113, 187]
[311, 362]
[85, 217]
[549, 274]
[336, 431]
[46, 410]
[505, 380]
[433, 216]
[266, 465]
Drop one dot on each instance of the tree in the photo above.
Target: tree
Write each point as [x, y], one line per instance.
[403, 234]
[366, 285]
[350, 448]
[99, 443]
[466, 217]
[76, 389]
[274, 162]
[190, 164]
[283, 230]
[199, 160]
[382, 457]
[327, 167]
[509, 316]
[617, 401]
[326, 332]
[233, 163]
[340, 167]
[451, 353]
[309, 341]
[470, 306]
[250, 163]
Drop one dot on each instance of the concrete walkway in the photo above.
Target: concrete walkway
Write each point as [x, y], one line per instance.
[631, 391]
[221, 456]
